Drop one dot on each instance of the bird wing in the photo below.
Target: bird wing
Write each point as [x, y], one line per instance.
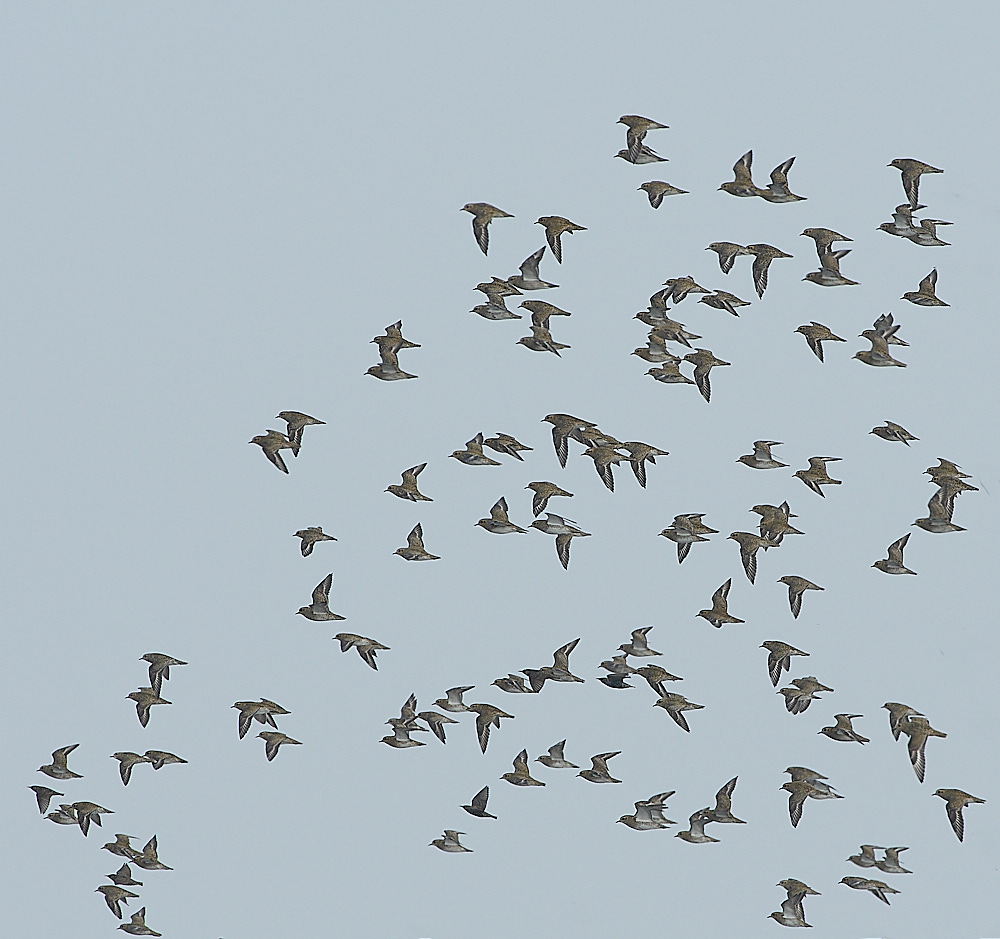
[742, 168]
[480, 228]
[529, 266]
[562, 549]
[760, 265]
[723, 798]
[795, 601]
[954, 810]
[321, 594]
[415, 539]
[499, 511]
[896, 549]
[779, 175]
[480, 798]
[560, 658]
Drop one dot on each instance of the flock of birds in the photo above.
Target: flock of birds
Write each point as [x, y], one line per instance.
[83, 813]
[631, 660]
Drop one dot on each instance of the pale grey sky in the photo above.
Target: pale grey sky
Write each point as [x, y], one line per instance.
[210, 209]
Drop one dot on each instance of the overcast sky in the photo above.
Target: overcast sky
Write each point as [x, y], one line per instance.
[211, 208]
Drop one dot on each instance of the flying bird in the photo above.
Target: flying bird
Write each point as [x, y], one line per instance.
[543, 491]
[723, 300]
[555, 227]
[912, 170]
[297, 422]
[824, 239]
[816, 334]
[649, 814]
[407, 489]
[894, 433]
[272, 740]
[742, 184]
[728, 252]
[816, 475]
[955, 801]
[918, 731]
[505, 443]
[528, 279]
[926, 292]
[498, 523]
[656, 190]
[144, 699]
[704, 361]
[893, 564]
[521, 776]
[675, 705]
[722, 812]
[598, 773]
[797, 586]
[718, 616]
[271, 443]
[763, 256]
[487, 716]
[366, 648]
[482, 214]
[874, 887]
[43, 796]
[843, 730]
[638, 647]
[414, 549]
[450, 843]
[473, 454]
[137, 925]
[804, 692]
[58, 769]
[777, 190]
[749, 544]
[319, 610]
[637, 129]
[779, 658]
[310, 536]
[555, 759]
[126, 760]
[829, 274]
[477, 806]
